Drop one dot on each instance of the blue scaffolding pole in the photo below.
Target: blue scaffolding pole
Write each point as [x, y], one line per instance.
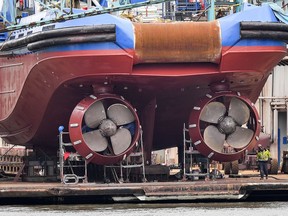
[211, 11]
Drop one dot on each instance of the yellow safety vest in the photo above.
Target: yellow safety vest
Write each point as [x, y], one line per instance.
[263, 155]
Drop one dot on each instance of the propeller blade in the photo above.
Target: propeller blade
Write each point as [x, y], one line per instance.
[214, 138]
[240, 138]
[120, 114]
[239, 111]
[95, 114]
[212, 112]
[121, 140]
[95, 141]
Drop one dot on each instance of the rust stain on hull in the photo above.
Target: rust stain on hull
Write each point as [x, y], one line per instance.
[177, 42]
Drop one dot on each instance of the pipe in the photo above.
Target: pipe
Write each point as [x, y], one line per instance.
[272, 93]
[271, 97]
[286, 119]
[274, 150]
[89, 4]
[238, 8]
[211, 11]
[261, 112]
[279, 146]
[61, 154]
[62, 5]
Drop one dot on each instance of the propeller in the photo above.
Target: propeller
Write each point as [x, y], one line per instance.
[226, 129]
[108, 129]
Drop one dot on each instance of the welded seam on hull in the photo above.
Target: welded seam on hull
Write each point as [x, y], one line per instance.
[8, 92]
[11, 65]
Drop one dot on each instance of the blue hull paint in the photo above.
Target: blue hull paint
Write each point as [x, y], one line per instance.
[124, 28]
[83, 47]
[230, 26]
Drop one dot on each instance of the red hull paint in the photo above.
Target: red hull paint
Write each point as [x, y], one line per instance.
[250, 58]
[39, 93]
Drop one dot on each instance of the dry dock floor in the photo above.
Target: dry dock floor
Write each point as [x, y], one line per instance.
[245, 186]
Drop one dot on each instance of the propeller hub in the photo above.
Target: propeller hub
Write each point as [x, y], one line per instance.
[227, 125]
[108, 128]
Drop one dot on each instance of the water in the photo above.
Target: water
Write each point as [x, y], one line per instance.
[197, 209]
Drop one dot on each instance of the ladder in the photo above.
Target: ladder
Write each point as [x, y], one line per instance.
[132, 161]
[69, 162]
[17, 177]
[193, 158]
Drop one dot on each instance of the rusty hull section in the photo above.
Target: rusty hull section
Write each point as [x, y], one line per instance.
[177, 42]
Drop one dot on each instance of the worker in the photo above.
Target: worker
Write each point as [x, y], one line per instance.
[263, 156]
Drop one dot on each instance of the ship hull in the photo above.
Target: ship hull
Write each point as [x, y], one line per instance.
[47, 99]
[40, 88]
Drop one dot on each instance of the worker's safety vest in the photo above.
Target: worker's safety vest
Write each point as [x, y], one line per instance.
[263, 155]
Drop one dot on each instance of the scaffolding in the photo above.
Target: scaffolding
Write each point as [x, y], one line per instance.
[73, 167]
[61, 14]
[195, 165]
[134, 160]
